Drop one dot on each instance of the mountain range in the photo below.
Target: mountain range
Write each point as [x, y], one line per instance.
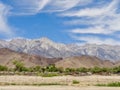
[7, 57]
[47, 48]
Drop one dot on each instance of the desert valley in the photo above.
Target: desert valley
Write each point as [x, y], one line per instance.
[59, 44]
[20, 59]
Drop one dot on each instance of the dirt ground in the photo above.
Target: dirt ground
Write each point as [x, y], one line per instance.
[56, 88]
[83, 80]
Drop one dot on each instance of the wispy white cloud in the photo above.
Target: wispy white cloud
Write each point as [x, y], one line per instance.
[98, 19]
[5, 29]
[27, 7]
[93, 30]
[64, 5]
[103, 20]
[96, 40]
[31, 7]
[92, 12]
[100, 25]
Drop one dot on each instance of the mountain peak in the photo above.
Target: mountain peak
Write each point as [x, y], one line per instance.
[48, 48]
[18, 39]
[45, 39]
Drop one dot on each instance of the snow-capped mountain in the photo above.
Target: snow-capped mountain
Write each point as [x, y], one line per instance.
[48, 48]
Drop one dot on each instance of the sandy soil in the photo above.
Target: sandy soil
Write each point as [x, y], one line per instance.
[56, 88]
[84, 80]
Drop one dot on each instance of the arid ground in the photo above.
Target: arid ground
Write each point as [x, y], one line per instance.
[64, 82]
[67, 80]
[56, 88]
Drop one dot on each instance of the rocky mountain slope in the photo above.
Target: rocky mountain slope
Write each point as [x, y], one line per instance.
[50, 49]
[7, 57]
[84, 61]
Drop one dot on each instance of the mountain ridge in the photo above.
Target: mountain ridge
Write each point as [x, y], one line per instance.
[7, 57]
[47, 48]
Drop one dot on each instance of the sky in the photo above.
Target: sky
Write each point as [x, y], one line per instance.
[65, 21]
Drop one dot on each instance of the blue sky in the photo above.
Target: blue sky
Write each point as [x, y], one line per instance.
[66, 21]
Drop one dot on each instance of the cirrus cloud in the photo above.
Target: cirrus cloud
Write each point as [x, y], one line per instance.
[32, 7]
[5, 29]
[86, 17]
[104, 20]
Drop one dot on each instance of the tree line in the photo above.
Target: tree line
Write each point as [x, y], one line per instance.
[20, 67]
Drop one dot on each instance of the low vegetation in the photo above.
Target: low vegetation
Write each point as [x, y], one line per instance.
[113, 84]
[48, 74]
[75, 82]
[34, 84]
[3, 68]
[52, 70]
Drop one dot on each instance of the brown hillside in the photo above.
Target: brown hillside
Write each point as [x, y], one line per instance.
[7, 56]
[83, 61]
[117, 63]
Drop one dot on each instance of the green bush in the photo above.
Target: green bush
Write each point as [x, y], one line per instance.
[35, 69]
[96, 70]
[113, 84]
[82, 69]
[48, 74]
[116, 70]
[75, 82]
[51, 68]
[47, 84]
[3, 68]
[69, 70]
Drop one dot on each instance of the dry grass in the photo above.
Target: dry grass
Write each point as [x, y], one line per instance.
[62, 80]
[56, 88]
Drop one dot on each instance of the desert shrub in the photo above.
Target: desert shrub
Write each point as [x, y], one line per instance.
[75, 82]
[3, 68]
[61, 70]
[96, 70]
[69, 70]
[51, 68]
[116, 70]
[48, 74]
[106, 70]
[48, 84]
[82, 69]
[100, 85]
[113, 84]
[35, 69]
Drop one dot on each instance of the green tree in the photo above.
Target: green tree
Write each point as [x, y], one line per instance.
[37, 69]
[70, 70]
[96, 70]
[51, 68]
[116, 69]
[19, 66]
[82, 69]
